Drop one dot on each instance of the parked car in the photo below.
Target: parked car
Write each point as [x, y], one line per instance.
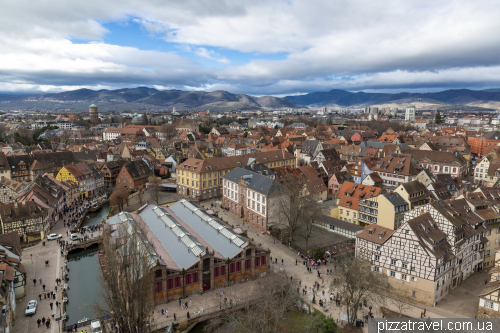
[53, 236]
[31, 308]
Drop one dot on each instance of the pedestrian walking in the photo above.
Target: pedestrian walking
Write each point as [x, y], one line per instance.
[296, 262]
[281, 262]
[43, 320]
[38, 322]
[186, 305]
[425, 310]
[43, 287]
[190, 302]
[40, 280]
[162, 311]
[34, 281]
[175, 317]
[57, 304]
[40, 296]
[422, 314]
[51, 305]
[188, 315]
[180, 302]
[166, 312]
[44, 295]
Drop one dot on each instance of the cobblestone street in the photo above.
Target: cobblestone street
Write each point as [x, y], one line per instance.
[34, 258]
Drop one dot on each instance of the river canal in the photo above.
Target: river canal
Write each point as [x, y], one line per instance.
[83, 277]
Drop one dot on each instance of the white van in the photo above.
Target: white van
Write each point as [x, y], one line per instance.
[73, 237]
[95, 325]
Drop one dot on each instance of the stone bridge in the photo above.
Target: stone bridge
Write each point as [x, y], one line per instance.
[84, 244]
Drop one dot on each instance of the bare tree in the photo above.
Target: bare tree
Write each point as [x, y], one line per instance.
[140, 196]
[292, 206]
[154, 189]
[258, 310]
[356, 284]
[168, 131]
[400, 301]
[311, 215]
[119, 197]
[127, 279]
[65, 135]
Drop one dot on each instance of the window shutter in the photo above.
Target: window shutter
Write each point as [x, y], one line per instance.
[373, 257]
[481, 302]
[407, 278]
[398, 276]
[373, 268]
[388, 273]
[415, 279]
[495, 306]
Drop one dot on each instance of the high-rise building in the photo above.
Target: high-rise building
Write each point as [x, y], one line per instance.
[410, 113]
[94, 115]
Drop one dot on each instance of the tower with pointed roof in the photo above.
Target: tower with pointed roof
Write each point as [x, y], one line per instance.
[94, 115]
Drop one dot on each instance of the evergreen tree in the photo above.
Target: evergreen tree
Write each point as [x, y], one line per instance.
[438, 119]
[245, 135]
[318, 254]
[144, 118]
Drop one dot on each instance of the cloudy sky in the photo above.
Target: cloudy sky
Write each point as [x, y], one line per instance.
[258, 47]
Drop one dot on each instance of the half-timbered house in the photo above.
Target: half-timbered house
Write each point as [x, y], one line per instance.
[416, 258]
[466, 240]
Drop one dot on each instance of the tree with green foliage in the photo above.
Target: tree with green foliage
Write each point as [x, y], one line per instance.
[438, 119]
[144, 118]
[245, 135]
[276, 127]
[330, 123]
[318, 254]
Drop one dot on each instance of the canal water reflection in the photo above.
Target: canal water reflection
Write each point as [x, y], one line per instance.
[83, 277]
[97, 216]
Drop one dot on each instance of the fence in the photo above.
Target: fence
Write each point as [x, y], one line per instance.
[340, 246]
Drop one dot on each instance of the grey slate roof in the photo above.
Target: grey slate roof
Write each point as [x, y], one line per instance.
[309, 146]
[255, 181]
[395, 199]
[339, 223]
[216, 233]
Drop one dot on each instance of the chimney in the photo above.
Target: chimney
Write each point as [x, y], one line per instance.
[15, 204]
[24, 203]
[430, 200]
[421, 212]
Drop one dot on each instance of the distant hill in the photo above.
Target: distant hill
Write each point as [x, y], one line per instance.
[489, 98]
[134, 98]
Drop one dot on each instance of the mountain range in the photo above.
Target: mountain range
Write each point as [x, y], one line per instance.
[143, 98]
[489, 98]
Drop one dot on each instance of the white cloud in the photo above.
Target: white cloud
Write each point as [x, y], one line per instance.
[329, 44]
[211, 54]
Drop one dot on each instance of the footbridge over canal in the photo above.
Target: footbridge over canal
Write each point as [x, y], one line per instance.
[84, 244]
